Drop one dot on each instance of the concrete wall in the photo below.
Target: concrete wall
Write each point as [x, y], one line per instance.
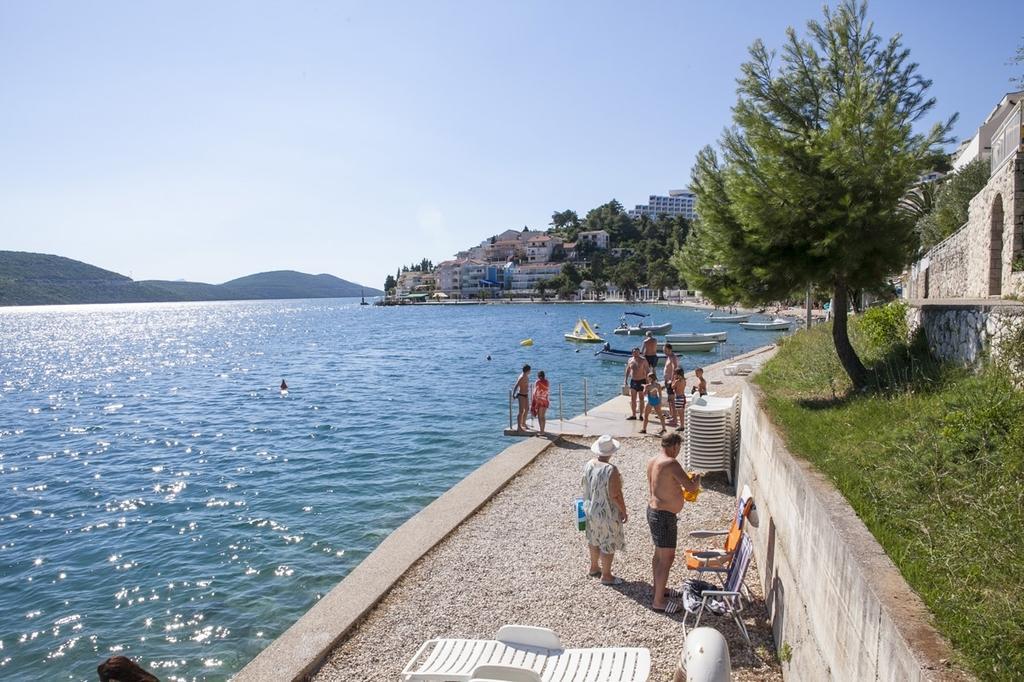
[976, 260]
[833, 595]
[963, 332]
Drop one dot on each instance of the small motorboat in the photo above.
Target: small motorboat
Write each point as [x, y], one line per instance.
[713, 317]
[621, 356]
[690, 337]
[693, 346]
[362, 298]
[640, 328]
[776, 325]
[583, 333]
[526, 342]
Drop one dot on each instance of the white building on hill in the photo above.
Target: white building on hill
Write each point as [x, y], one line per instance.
[678, 202]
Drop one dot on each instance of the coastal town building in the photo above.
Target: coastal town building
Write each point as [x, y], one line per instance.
[596, 239]
[678, 202]
[413, 282]
[980, 146]
[522, 279]
[541, 247]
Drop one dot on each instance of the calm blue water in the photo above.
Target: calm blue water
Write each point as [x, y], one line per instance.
[161, 499]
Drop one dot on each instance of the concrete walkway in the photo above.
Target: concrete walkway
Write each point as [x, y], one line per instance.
[610, 417]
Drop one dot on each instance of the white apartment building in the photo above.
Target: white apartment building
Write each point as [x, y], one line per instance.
[523, 278]
[541, 247]
[598, 239]
[980, 145]
[678, 202]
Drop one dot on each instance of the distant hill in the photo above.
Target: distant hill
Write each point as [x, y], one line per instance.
[291, 284]
[43, 279]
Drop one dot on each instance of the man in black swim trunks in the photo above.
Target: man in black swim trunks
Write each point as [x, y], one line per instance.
[649, 349]
[666, 481]
[637, 370]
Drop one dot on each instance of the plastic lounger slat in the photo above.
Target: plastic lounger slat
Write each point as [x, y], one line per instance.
[443, 651]
[618, 664]
[469, 657]
[557, 667]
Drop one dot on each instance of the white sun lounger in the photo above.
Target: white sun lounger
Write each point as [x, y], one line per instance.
[523, 648]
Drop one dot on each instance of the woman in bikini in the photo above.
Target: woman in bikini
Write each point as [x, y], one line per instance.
[541, 399]
[652, 392]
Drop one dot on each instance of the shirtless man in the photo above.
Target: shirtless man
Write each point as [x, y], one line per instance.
[666, 481]
[521, 392]
[649, 349]
[671, 365]
[636, 374]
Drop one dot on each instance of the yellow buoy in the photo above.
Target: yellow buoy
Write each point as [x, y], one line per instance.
[526, 342]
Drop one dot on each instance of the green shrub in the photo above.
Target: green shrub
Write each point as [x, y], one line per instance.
[885, 327]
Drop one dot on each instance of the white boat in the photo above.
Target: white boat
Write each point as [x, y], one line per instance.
[640, 329]
[690, 337]
[776, 325]
[693, 346]
[612, 355]
[712, 317]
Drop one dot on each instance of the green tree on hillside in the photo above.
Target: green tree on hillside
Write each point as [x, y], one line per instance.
[565, 224]
[614, 220]
[808, 185]
[952, 198]
[389, 284]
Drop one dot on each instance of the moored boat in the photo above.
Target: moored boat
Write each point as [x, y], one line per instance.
[689, 337]
[640, 328]
[693, 346]
[622, 356]
[712, 317]
[776, 325]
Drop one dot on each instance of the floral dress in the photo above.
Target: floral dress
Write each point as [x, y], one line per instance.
[604, 529]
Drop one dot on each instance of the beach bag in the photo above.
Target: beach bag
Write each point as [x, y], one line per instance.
[579, 506]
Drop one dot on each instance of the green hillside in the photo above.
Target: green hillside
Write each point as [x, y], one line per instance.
[291, 284]
[43, 279]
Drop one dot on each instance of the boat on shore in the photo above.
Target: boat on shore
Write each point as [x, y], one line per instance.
[690, 337]
[776, 325]
[640, 328]
[712, 317]
[583, 333]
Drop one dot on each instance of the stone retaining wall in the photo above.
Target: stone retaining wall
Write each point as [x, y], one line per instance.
[977, 260]
[963, 332]
[837, 603]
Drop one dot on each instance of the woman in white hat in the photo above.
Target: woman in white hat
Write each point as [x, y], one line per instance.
[605, 509]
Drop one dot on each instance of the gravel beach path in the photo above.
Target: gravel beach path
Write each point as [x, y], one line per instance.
[519, 559]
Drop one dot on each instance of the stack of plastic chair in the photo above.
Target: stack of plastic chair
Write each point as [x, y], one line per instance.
[711, 433]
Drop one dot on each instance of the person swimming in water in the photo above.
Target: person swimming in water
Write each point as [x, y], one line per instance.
[284, 385]
[652, 391]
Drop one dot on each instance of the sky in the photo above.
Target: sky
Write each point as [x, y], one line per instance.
[209, 140]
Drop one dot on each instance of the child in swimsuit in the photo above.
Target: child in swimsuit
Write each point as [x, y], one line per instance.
[679, 397]
[652, 392]
[702, 384]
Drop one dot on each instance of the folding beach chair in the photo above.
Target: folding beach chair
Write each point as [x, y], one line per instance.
[519, 653]
[700, 596]
[718, 560]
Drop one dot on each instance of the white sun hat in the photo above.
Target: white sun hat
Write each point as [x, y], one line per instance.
[605, 446]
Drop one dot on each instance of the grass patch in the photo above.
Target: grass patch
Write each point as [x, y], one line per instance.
[932, 460]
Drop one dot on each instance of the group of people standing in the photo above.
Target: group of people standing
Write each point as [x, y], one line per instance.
[645, 391]
[605, 508]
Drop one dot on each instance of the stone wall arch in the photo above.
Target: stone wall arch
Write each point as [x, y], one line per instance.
[995, 270]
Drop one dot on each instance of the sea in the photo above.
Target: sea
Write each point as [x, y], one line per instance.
[160, 498]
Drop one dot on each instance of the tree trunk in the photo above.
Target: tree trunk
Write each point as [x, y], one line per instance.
[855, 369]
[807, 302]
